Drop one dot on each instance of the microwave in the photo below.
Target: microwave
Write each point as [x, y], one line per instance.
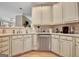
[65, 29]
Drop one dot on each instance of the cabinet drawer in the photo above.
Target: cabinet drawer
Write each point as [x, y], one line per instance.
[14, 37]
[3, 39]
[0, 50]
[77, 43]
[25, 36]
[19, 36]
[53, 36]
[5, 43]
[4, 48]
[56, 36]
[0, 39]
[77, 39]
[0, 46]
[5, 52]
[63, 37]
[69, 38]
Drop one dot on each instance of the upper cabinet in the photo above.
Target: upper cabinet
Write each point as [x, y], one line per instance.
[57, 13]
[36, 15]
[70, 12]
[42, 15]
[46, 15]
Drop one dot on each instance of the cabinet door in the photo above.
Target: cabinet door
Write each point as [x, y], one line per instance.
[4, 45]
[46, 15]
[66, 48]
[77, 49]
[69, 12]
[28, 43]
[57, 13]
[55, 45]
[17, 46]
[36, 15]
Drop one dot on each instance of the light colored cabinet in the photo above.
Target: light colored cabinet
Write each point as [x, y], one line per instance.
[36, 15]
[21, 44]
[35, 42]
[66, 46]
[46, 15]
[4, 45]
[57, 13]
[55, 44]
[27, 43]
[42, 15]
[17, 46]
[77, 47]
[70, 12]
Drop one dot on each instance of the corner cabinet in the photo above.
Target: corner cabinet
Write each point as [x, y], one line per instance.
[57, 13]
[36, 15]
[46, 15]
[70, 12]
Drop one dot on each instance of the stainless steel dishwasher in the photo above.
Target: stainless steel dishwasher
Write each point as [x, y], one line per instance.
[44, 42]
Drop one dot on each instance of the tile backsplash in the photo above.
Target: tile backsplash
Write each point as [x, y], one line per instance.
[74, 25]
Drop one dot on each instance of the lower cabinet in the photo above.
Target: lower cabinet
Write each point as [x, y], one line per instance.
[17, 46]
[27, 43]
[55, 44]
[62, 45]
[77, 47]
[21, 44]
[66, 48]
[4, 46]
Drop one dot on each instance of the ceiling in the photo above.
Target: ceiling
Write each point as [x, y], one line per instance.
[11, 9]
